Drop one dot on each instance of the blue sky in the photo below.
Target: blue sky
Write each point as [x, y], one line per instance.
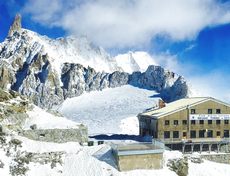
[194, 35]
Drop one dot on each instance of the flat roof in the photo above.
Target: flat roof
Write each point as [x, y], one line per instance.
[148, 146]
[179, 105]
[137, 149]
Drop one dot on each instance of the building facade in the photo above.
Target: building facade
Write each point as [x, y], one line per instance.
[187, 119]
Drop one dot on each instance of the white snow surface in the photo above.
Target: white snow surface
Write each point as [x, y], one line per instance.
[80, 50]
[98, 161]
[135, 61]
[75, 49]
[45, 120]
[111, 110]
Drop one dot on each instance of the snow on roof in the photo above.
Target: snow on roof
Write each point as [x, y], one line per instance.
[179, 105]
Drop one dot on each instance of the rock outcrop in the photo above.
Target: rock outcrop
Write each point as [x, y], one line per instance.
[31, 68]
[16, 26]
[179, 166]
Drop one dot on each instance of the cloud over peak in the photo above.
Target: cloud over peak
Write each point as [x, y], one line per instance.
[130, 23]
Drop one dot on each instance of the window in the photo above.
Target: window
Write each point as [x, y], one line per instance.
[226, 121]
[193, 122]
[210, 134]
[184, 122]
[167, 134]
[209, 111]
[175, 122]
[218, 111]
[226, 133]
[202, 122]
[193, 111]
[201, 133]
[166, 122]
[184, 134]
[193, 134]
[218, 133]
[175, 134]
[218, 122]
[209, 122]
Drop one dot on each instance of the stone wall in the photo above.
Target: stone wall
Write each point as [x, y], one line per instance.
[58, 135]
[219, 158]
[146, 161]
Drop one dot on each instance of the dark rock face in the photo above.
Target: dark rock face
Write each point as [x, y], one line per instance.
[42, 84]
[77, 79]
[177, 91]
[155, 78]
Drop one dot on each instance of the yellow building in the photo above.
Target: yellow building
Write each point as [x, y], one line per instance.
[198, 118]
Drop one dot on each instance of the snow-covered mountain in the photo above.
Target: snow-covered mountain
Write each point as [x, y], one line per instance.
[49, 71]
[135, 61]
[88, 86]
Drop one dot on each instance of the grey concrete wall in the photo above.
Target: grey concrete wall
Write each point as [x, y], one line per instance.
[58, 135]
[147, 161]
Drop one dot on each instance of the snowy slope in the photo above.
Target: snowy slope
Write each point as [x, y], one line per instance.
[107, 111]
[135, 61]
[83, 161]
[45, 120]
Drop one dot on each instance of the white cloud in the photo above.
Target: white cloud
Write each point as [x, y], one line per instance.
[130, 23]
[214, 84]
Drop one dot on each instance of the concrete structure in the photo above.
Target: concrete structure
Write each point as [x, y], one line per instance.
[188, 120]
[78, 134]
[138, 156]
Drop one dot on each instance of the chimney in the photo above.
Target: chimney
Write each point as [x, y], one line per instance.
[161, 104]
[16, 25]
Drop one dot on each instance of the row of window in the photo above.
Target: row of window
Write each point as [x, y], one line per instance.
[210, 111]
[193, 134]
[201, 133]
[193, 122]
[218, 122]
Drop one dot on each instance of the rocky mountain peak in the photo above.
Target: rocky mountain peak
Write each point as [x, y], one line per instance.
[16, 25]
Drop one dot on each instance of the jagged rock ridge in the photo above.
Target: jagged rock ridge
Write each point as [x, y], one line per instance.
[29, 65]
[16, 26]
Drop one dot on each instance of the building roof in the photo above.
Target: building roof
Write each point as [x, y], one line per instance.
[137, 148]
[179, 105]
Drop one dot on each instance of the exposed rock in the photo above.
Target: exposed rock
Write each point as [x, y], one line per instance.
[1, 164]
[12, 110]
[19, 167]
[7, 75]
[177, 91]
[5, 96]
[179, 166]
[33, 127]
[16, 26]
[28, 67]
[197, 160]
[77, 79]
[78, 134]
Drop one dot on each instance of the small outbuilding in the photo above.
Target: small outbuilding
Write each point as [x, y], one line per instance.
[138, 156]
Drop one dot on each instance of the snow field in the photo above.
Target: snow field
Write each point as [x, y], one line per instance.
[112, 110]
